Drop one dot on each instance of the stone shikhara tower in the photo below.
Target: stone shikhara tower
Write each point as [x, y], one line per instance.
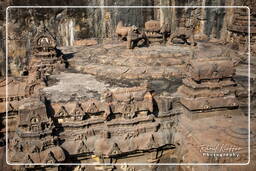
[208, 85]
[34, 141]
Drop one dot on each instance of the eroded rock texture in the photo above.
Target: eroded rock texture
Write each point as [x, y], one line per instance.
[209, 85]
[77, 94]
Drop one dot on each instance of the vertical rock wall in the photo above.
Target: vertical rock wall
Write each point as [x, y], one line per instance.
[74, 24]
[70, 25]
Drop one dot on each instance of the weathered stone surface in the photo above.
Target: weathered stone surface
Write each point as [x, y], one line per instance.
[136, 38]
[154, 29]
[81, 87]
[208, 85]
[185, 34]
[205, 130]
[201, 70]
[121, 30]
[153, 26]
[208, 103]
[85, 42]
[100, 109]
[34, 136]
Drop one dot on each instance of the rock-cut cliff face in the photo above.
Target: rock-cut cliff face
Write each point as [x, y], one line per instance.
[71, 25]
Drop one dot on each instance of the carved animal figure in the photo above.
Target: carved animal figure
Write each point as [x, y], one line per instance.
[122, 31]
[185, 34]
[134, 36]
[153, 26]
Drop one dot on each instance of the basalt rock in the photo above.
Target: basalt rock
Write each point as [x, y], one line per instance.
[46, 57]
[208, 85]
[154, 30]
[134, 37]
[239, 27]
[31, 128]
[34, 136]
[122, 31]
[183, 33]
[97, 110]
[103, 127]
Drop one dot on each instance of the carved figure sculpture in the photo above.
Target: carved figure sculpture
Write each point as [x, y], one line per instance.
[154, 29]
[134, 36]
[185, 34]
[122, 31]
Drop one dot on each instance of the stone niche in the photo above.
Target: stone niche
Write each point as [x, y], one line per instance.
[34, 141]
[44, 43]
[208, 85]
[46, 58]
